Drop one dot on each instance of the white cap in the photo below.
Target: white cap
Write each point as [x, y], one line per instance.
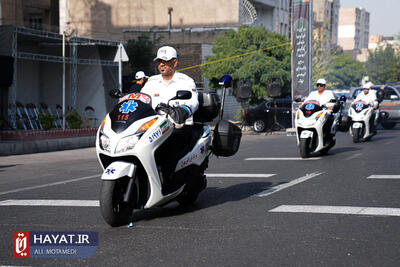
[368, 85]
[166, 53]
[140, 74]
[321, 81]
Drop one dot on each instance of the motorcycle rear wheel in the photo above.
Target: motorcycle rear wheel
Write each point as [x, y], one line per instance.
[114, 210]
[192, 191]
[305, 147]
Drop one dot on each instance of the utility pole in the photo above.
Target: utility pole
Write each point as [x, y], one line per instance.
[63, 81]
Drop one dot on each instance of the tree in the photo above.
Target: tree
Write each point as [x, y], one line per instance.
[383, 65]
[250, 53]
[141, 54]
[344, 71]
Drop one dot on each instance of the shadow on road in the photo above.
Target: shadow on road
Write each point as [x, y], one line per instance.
[210, 197]
[343, 150]
[6, 166]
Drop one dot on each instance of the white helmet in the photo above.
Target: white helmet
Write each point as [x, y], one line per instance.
[321, 81]
[368, 85]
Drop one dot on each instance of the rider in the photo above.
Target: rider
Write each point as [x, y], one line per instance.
[370, 98]
[367, 95]
[163, 87]
[325, 98]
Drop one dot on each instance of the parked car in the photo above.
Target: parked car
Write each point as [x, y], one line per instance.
[389, 107]
[270, 113]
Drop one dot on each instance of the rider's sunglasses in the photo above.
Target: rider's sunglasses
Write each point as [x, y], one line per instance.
[320, 85]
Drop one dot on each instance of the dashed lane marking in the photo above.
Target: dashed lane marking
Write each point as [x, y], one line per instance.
[315, 158]
[280, 187]
[239, 175]
[372, 211]
[50, 202]
[383, 176]
[50, 184]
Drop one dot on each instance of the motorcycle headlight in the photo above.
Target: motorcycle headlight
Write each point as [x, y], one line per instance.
[104, 142]
[127, 143]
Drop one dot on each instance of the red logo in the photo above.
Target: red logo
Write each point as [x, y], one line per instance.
[21, 244]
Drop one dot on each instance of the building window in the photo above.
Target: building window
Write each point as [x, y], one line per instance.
[35, 21]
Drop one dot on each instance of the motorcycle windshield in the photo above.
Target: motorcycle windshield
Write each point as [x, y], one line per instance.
[360, 106]
[130, 108]
[310, 108]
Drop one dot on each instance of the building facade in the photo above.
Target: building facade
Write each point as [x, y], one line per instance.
[326, 19]
[107, 19]
[34, 14]
[353, 28]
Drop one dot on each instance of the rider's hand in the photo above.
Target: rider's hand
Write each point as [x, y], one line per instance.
[178, 114]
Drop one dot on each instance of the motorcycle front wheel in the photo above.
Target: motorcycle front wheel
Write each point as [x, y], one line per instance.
[356, 135]
[114, 210]
[305, 147]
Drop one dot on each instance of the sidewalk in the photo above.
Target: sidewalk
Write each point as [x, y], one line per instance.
[34, 141]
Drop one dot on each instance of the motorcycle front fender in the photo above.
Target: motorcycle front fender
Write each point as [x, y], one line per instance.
[118, 169]
[357, 125]
[306, 134]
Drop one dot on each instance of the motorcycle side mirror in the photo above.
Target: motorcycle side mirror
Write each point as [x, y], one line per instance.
[115, 93]
[297, 100]
[182, 94]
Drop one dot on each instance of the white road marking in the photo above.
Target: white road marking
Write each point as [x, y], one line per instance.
[46, 185]
[353, 156]
[236, 175]
[289, 184]
[388, 143]
[338, 210]
[50, 202]
[315, 158]
[380, 176]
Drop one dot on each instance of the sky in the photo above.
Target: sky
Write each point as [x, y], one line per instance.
[384, 15]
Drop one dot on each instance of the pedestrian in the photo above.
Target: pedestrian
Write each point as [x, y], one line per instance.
[140, 81]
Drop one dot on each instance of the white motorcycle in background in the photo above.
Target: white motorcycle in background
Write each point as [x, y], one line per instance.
[127, 146]
[362, 121]
[311, 132]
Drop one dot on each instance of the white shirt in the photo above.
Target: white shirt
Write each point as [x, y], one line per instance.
[161, 91]
[323, 99]
[370, 98]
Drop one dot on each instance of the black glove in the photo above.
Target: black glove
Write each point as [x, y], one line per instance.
[178, 114]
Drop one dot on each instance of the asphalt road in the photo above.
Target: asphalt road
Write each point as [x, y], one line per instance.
[262, 207]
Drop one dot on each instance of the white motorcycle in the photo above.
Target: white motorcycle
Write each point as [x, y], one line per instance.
[128, 147]
[311, 131]
[362, 121]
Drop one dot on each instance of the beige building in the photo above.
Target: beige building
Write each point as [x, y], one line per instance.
[35, 14]
[107, 19]
[326, 16]
[353, 28]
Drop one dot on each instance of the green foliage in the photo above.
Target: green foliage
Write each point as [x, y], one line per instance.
[383, 65]
[74, 120]
[141, 54]
[340, 70]
[344, 71]
[46, 120]
[231, 51]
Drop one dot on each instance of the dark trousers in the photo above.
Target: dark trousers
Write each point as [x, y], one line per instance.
[177, 145]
